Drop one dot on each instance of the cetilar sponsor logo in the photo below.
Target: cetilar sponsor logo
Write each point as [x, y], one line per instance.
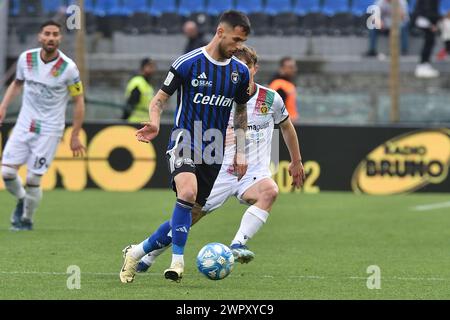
[405, 163]
[219, 101]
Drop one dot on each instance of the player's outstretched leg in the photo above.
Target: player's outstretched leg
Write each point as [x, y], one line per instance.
[148, 260]
[181, 223]
[161, 238]
[14, 185]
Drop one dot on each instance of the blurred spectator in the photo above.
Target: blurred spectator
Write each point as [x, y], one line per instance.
[139, 92]
[426, 17]
[444, 26]
[194, 36]
[386, 23]
[283, 83]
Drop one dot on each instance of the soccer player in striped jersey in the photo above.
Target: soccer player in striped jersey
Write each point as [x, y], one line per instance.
[49, 78]
[209, 81]
[256, 189]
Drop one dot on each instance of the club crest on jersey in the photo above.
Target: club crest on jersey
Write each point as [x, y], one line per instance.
[235, 77]
[264, 109]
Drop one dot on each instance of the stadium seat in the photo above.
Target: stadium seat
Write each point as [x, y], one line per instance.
[188, 7]
[359, 11]
[274, 7]
[311, 18]
[141, 6]
[444, 7]
[30, 8]
[249, 6]
[304, 7]
[214, 8]
[13, 8]
[51, 7]
[338, 16]
[412, 5]
[157, 7]
[359, 7]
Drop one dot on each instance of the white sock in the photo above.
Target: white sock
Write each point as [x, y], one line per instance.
[32, 199]
[15, 187]
[13, 183]
[150, 258]
[252, 220]
[137, 252]
[177, 258]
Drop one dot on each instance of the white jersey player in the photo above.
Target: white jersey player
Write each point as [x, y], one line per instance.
[256, 188]
[48, 78]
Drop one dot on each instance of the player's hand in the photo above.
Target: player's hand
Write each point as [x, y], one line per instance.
[297, 172]
[147, 133]
[77, 147]
[240, 165]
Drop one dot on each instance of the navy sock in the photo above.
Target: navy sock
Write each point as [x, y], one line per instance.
[159, 239]
[181, 222]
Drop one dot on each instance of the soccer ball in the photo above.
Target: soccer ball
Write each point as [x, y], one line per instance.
[215, 261]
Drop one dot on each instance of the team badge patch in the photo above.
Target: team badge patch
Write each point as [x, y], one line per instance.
[235, 77]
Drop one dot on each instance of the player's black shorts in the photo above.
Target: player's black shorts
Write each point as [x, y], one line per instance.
[206, 174]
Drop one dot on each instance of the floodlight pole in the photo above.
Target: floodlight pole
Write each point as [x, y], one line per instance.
[394, 85]
[80, 45]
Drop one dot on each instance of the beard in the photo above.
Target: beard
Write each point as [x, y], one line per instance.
[50, 50]
[224, 53]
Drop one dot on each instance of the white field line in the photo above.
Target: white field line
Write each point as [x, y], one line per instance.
[432, 206]
[313, 277]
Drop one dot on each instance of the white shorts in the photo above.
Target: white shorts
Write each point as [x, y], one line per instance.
[227, 185]
[34, 150]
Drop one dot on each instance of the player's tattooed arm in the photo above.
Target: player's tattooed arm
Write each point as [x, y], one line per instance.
[151, 127]
[240, 127]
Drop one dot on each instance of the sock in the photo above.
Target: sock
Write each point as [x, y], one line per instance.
[159, 239]
[32, 199]
[181, 222]
[150, 258]
[252, 220]
[13, 183]
[177, 258]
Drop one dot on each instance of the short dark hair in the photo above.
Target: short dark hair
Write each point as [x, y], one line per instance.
[235, 19]
[284, 59]
[146, 61]
[49, 23]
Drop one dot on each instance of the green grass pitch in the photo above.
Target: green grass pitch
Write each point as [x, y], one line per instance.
[312, 247]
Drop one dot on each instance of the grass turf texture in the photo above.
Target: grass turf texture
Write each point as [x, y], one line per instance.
[312, 247]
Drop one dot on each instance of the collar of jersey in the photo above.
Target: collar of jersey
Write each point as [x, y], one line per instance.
[47, 62]
[219, 63]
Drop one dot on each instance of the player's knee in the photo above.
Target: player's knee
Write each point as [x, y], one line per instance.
[33, 180]
[270, 194]
[187, 195]
[9, 172]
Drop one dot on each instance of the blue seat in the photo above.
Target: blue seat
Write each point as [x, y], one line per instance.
[359, 7]
[304, 7]
[249, 6]
[188, 7]
[52, 6]
[13, 8]
[412, 5]
[136, 6]
[111, 7]
[159, 7]
[215, 8]
[444, 7]
[332, 7]
[274, 7]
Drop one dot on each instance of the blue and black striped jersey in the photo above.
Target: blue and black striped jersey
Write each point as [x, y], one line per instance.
[207, 90]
